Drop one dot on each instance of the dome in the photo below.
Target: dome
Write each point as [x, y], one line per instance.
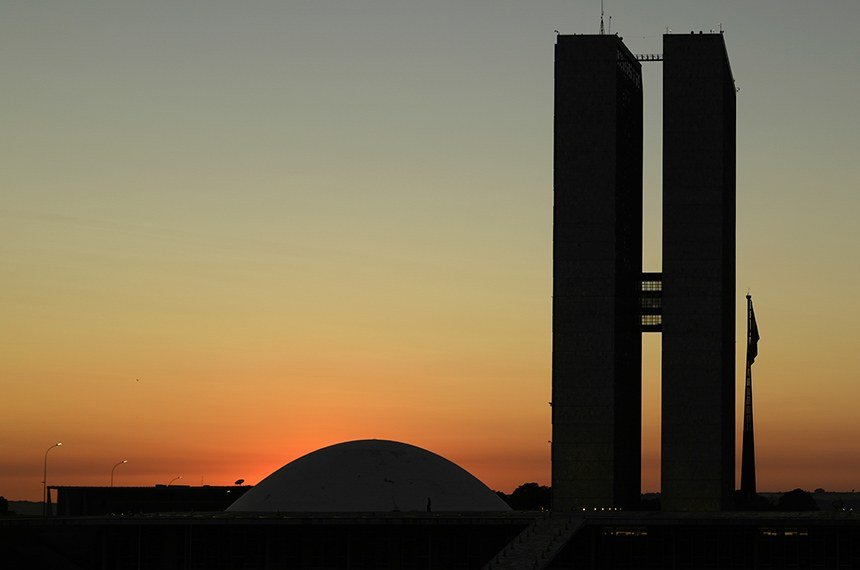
[369, 475]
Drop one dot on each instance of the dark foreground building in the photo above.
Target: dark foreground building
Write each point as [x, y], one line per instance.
[211, 541]
[698, 440]
[597, 267]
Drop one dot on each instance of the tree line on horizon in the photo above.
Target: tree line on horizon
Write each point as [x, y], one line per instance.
[534, 497]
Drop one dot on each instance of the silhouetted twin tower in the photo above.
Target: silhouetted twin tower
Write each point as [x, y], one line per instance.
[602, 300]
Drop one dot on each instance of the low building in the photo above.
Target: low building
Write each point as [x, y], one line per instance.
[95, 501]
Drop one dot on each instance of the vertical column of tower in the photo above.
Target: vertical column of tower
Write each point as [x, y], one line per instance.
[698, 439]
[597, 264]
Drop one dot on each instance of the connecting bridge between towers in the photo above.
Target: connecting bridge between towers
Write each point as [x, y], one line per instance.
[652, 302]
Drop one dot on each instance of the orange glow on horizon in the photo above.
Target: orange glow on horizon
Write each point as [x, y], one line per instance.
[217, 256]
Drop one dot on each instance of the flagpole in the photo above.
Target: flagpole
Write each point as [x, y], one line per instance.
[748, 475]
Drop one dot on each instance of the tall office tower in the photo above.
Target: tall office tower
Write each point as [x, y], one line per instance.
[698, 440]
[597, 270]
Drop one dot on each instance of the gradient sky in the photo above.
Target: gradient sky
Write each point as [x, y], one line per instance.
[304, 222]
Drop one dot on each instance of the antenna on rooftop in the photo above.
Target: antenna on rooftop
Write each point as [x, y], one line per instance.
[601, 18]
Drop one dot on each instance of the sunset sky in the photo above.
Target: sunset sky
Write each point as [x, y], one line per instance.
[234, 232]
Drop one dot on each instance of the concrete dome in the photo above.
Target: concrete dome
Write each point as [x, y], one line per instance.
[369, 475]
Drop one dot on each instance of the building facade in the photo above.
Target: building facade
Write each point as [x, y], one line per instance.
[698, 439]
[597, 266]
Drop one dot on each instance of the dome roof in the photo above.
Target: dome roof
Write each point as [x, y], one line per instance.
[370, 475]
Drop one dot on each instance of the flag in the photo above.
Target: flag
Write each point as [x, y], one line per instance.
[752, 333]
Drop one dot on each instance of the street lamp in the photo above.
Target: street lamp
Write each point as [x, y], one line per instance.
[174, 479]
[45, 480]
[114, 469]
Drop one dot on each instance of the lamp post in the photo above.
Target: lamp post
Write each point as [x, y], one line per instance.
[45, 479]
[174, 479]
[114, 469]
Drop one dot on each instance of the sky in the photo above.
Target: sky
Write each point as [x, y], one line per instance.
[234, 232]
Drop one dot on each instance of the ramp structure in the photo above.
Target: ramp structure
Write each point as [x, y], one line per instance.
[536, 546]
